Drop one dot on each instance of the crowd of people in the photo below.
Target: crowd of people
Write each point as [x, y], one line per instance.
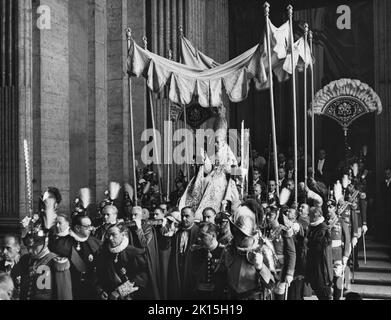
[269, 248]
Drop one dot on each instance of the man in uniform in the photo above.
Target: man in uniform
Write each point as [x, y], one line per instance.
[340, 242]
[208, 265]
[44, 275]
[247, 274]
[358, 201]
[281, 237]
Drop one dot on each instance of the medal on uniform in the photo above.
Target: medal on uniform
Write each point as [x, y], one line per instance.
[78, 248]
[116, 258]
[90, 258]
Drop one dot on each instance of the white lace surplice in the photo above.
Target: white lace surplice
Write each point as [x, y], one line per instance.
[211, 186]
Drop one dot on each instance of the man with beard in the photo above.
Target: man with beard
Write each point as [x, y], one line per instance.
[180, 276]
[319, 269]
[208, 265]
[122, 269]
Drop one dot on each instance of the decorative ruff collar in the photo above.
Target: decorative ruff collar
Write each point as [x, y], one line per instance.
[64, 233]
[316, 223]
[121, 247]
[76, 237]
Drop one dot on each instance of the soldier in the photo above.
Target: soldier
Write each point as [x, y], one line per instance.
[208, 265]
[358, 201]
[340, 238]
[122, 269]
[248, 276]
[282, 239]
[44, 275]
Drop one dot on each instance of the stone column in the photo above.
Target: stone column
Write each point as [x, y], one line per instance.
[51, 101]
[25, 50]
[137, 22]
[117, 89]
[97, 97]
[78, 97]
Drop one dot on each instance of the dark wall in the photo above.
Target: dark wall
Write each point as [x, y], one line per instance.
[348, 53]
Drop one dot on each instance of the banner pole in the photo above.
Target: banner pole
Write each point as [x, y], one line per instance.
[305, 106]
[169, 151]
[267, 12]
[129, 41]
[312, 105]
[290, 14]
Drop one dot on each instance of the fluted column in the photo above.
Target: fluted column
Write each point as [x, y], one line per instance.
[97, 98]
[51, 101]
[24, 92]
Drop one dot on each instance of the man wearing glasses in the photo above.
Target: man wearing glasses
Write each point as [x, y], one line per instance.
[82, 257]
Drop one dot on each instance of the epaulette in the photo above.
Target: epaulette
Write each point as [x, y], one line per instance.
[61, 264]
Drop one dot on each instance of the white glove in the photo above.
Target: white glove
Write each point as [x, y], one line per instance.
[364, 229]
[289, 280]
[345, 261]
[354, 242]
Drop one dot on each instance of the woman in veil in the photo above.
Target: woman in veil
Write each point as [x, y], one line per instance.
[213, 187]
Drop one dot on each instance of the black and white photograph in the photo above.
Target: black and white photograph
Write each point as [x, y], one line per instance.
[201, 153]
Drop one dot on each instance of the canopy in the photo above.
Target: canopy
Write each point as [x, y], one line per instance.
[192, 57]
[205, 79]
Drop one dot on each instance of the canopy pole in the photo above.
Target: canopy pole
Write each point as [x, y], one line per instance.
[267, 12]
[290, 13]
[305, 106]
[312, 105]
[156, 147]
[129, 41]
[186, 142]
[169, 151]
